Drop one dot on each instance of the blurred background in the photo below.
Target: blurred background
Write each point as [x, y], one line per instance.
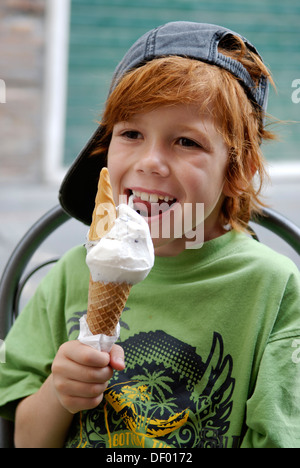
[56, 62]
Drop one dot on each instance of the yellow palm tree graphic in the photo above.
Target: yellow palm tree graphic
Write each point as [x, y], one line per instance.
[137, 406]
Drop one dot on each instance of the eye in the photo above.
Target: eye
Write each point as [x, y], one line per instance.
[188, 143]
[131, 134]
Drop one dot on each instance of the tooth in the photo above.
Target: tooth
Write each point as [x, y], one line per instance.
[130, 200]
[153, 198]
[144, 196]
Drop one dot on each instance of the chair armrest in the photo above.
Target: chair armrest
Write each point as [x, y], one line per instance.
[281, 226]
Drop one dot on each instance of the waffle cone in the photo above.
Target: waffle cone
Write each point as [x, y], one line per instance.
[106, 301]
[105, 306]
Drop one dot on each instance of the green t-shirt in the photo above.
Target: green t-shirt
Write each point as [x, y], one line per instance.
[212, 350]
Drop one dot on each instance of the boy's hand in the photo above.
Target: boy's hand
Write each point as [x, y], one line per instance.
[81, 374]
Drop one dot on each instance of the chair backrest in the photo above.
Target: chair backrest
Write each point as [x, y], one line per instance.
[11, 283]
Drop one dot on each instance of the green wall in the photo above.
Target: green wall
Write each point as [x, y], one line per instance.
[102, 30]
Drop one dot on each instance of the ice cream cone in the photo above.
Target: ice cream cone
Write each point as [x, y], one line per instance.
[105, 306]
[106, 299]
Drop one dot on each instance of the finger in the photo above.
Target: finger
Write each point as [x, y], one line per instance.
[70, 364]
[84, 390]
[84, 354]
[92, 374]
[88, 356]
[117, 360]
[76, 404]
[88, 374]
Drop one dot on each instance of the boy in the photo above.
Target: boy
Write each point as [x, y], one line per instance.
[211, 335]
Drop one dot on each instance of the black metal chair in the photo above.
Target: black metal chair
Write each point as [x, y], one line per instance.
[13, 281]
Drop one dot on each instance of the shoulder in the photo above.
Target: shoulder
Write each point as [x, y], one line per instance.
[253, 252]
[74, 256]
[258, 264]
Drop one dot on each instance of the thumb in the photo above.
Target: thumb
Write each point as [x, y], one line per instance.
[117, 361]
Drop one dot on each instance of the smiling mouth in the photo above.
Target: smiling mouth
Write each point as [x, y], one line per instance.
[149, 204]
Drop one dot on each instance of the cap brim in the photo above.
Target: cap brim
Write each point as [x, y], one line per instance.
[79, 188]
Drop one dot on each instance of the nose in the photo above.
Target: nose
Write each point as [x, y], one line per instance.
[153, 161]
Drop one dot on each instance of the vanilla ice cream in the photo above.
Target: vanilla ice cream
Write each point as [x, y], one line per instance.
[125, 254]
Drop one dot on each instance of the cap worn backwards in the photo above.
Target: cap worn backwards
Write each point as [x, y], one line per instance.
[194, 40]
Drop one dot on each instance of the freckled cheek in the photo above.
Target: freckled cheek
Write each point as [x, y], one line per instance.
[205, 191]
[117, 156]
[115, 174]
[117, 165]
[112, 153]
[195, 189]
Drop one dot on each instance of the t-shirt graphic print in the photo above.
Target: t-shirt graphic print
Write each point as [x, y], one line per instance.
[168, 397]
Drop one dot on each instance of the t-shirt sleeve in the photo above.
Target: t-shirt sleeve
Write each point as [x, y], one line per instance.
[273, 410]
[35, 337]
[28, 355]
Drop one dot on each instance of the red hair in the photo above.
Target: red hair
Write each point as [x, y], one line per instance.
[168, 81]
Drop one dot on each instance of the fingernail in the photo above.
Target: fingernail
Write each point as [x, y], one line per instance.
[120, 361]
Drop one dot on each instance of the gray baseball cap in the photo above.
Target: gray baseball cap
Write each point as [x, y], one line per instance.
[182, 38]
